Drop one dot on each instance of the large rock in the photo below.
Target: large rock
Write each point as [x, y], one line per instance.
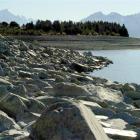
[82, 78]
[121, 134]
[69, 89]
[105, 94]
[117, 123]
[131, 91]
[23, 46]
[19, 90]
[49, 100]
[135, 113]
[13, 105]
[128, 87]
[6, 122]
[14, 134]
[133, 95]
[127, 117]
[3, 91]
[67, 121]
[1, 71]
[79, 67]
[25, 74]
[4, 49]
[5, 82]
[137, 103]
[35, 106]
[115, 86]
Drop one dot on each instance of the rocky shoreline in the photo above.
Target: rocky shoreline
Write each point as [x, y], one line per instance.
[47, 94]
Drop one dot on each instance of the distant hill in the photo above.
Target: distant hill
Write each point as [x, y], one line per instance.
[132, 22]
[7, 16]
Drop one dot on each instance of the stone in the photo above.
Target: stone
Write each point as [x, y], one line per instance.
[79, 67]
[135, 113]
[23, 46]
[43, 75]
[114, 86]
[103, 111]
[6, 122]
[121, 134]
[134, 95]
[89, 53]
[82, 78]
[105, 94]
[68, 89]
[90, 104]
[24, 74]
[4, 49]
[3, 91]
[14, 134]
[50, 100]
[117, 123]
[137, 103]
[39, 70]
[35, 106]
[13, 105]
[19, 90]
[127, 117]
[2, 73]
[32, 53]
[97, 81]
[41, 84]
[27, 117]
[67, 121]
[4, 82]
[128, 87]
[59, 78]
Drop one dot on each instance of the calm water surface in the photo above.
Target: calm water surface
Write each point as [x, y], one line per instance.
[126, 67]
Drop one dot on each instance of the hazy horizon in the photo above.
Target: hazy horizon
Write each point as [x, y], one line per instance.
[68, 9]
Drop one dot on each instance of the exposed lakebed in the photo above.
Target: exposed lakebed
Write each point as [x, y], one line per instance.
[125, 67]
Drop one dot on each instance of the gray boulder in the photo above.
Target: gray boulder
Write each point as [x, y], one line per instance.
[67, 121]
[25, 74]
[23, 46]
[133, 95]
[14, 134]
[35, 106]
[105, 94]
[3, 91]
[19, 90]
[2, 73]
[13, 105]
[4, 82]
[69, 89]
[4, 49]
[79, 67]
[6, 122]
[137, 103]
[128, 87]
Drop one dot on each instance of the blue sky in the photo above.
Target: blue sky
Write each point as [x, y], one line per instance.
[68, 9]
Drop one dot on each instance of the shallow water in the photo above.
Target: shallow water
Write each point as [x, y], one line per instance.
[126, 67]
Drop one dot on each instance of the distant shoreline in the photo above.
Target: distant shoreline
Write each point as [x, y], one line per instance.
[83, 42]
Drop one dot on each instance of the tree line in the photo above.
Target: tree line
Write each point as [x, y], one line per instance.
[64, 27]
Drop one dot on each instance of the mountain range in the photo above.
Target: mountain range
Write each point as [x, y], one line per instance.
[7, 16]
[132, 22]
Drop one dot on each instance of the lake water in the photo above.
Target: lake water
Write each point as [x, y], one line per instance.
[126, 67]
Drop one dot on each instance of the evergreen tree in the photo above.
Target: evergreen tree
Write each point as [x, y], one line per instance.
[14, 24]
[66, 27]
[57, 26]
